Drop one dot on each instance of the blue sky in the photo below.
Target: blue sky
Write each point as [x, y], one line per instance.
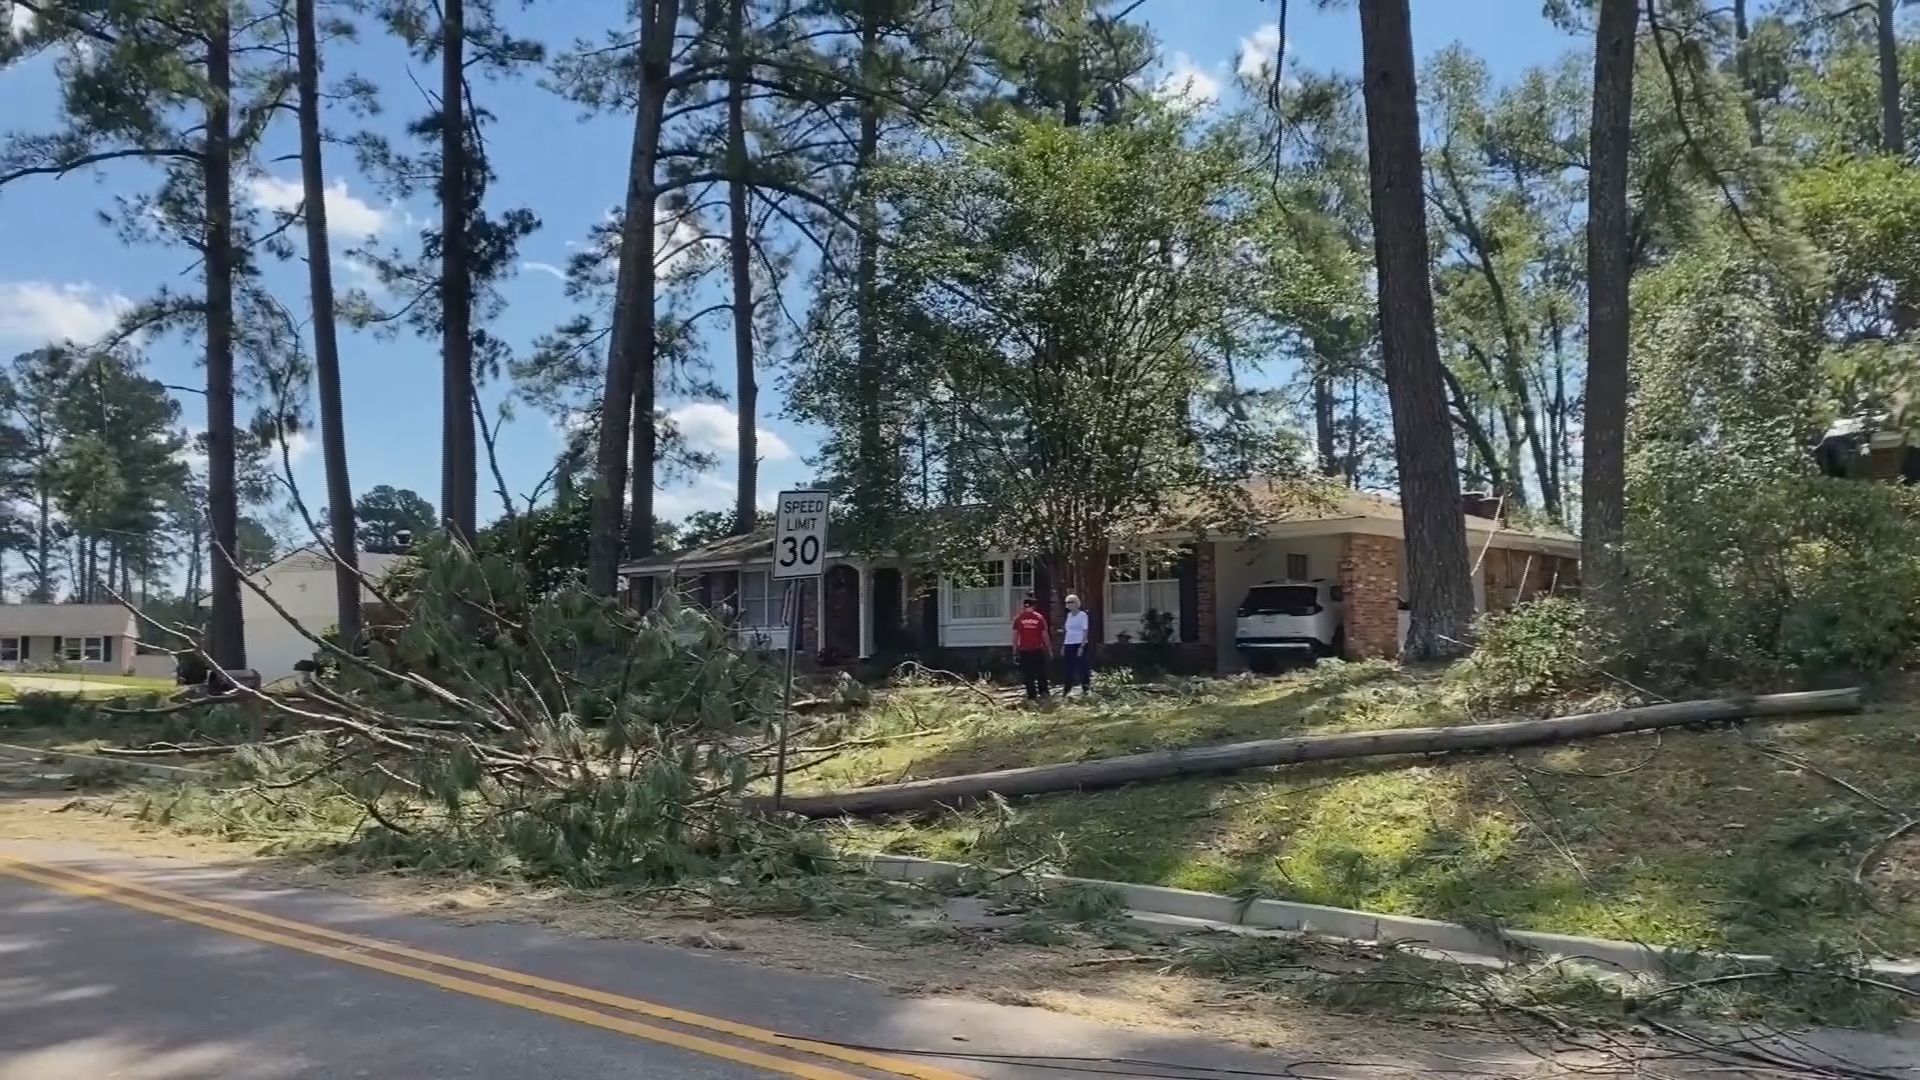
[63, 273]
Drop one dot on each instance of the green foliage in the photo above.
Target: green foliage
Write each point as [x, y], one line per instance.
[1534, 653]
[98, 440]
[548, 543]
[706, 526]
[1744, 563]
[1743, 576]
[382, 514]
[39, 709]
[1046, 392]
[600, 745]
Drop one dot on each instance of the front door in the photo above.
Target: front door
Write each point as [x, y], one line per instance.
[889, 636]
[840, 623]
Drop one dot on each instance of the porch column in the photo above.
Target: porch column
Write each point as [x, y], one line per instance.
[866, 609]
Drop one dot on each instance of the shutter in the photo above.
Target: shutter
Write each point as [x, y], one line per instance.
[640, 592]
[703, 594]
[106, 649]
[930, 615]
[24, 639]
[1188, 569]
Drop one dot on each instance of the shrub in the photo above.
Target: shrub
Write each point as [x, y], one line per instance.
[1798, 580]
[1535, 652]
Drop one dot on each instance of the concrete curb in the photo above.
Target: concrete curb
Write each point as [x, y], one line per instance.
[64, 757]
[1429, 934]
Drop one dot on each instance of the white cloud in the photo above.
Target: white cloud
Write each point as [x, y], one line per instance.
[19, 20]
[681, 247]
[713, 427]
[298, 445]
[1187, 83]
[708, 491]
[1258, 52]
[573, 423]
[348, 216]
[189, 453]
[544, 268]
[41, 311]
[362, 274]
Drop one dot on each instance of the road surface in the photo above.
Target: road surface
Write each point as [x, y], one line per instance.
[140, 969]
[122, 968]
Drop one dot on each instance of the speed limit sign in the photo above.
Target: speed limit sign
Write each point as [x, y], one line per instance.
[800, 535]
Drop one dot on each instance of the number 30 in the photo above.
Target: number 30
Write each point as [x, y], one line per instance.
[805, 551]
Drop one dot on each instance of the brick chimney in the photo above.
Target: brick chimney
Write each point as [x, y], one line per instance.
[1482, 504]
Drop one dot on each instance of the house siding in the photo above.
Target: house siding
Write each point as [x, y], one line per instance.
[1514, 577]
[43, 652]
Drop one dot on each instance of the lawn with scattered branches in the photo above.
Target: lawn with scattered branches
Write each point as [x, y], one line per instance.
[1764, 837]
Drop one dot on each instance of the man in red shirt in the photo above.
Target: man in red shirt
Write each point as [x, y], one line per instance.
[1033, 647]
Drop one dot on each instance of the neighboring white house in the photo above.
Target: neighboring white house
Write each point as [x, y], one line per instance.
[77, 637]
[303, 584]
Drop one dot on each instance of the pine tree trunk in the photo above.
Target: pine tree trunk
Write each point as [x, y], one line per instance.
[196, 561]
[226, 634]
[1893, 139]
[458, 474]
[1323, 433]
[1603, 486]
[627, 409]
[326, 345]
[1743, 68]
[873, 479]
[740, 254]
[1440, 594]
[43, 536]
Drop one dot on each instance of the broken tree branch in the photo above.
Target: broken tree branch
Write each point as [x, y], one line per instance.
[1231, 757]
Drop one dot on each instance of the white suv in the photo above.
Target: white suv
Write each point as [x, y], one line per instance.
[1289, 618]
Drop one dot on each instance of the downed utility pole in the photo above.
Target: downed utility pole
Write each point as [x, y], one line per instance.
[1231, 757]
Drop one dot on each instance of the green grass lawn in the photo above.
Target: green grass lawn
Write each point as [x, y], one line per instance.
[100, 685]
[1690, 837]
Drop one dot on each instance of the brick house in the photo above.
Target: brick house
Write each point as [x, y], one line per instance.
[891, 606]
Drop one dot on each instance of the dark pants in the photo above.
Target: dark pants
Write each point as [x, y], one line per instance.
[1076, 669]
[1033, 670]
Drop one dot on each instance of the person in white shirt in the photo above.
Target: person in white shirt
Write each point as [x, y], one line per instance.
[1076, 667]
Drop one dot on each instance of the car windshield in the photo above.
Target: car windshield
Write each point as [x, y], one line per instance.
[1281, 600]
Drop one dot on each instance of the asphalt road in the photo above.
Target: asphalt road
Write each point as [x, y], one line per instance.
[115, 968]
[103, 977]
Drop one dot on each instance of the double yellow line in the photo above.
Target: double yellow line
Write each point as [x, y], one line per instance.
[550, 997]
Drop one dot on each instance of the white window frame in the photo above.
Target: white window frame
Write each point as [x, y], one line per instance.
[10, 644]
[759, 606]
[996, 583]
[1151, 577]
[77, 649]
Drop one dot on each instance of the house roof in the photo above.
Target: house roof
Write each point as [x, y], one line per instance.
[1361, 504]
[1273, 504]
[755, 546]
[373, 564]
[66, 620]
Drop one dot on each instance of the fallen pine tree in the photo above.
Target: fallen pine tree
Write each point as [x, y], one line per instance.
[1231, 757]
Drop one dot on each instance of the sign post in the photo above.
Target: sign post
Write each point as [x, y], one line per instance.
[799, 552]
